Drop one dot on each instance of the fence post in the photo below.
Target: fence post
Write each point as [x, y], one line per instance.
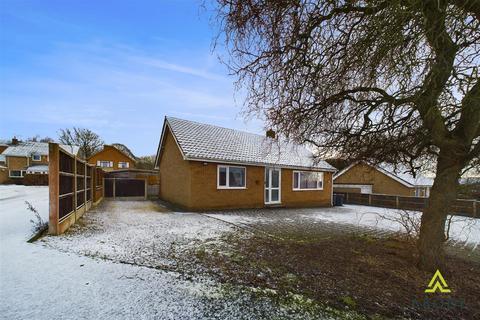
[85, 173]
[474, 208]
[146, 188]
[53, 187]
[347, 197]
[114, 192]
[397, 202]
[369, 199]
[75, 187]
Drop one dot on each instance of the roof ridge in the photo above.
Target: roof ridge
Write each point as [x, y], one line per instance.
[216, 126]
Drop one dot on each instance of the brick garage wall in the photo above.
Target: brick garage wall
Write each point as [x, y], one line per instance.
[382, 184]
[174, 174]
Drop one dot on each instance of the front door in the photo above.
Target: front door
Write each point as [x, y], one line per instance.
[272, 185]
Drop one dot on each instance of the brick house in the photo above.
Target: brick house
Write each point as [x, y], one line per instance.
[203, 166]
[27, 162]
[361, 177]
[113, 157]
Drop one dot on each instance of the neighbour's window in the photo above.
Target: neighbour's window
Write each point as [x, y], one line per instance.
[123, 164]
[307, 180]
[105, 164]
[36, 157]
[16, 173]
[231, 177]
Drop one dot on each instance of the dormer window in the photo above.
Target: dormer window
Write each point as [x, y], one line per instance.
[36, 157]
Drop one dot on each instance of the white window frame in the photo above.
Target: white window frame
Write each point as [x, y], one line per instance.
[22, 174]
[110, 164]
[127, 164]
[35, 155]
[295, 188]
[228, 177]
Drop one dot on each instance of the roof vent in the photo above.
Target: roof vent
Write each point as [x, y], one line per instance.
[14, 141]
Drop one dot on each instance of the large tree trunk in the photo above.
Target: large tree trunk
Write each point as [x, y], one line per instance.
[442, 195]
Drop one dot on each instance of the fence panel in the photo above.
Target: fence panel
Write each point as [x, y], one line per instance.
[461, 207]
[71, 181]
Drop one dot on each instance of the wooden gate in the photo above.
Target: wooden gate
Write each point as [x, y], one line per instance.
[125, 188]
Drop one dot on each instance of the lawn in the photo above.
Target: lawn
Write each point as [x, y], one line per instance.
[138, 259]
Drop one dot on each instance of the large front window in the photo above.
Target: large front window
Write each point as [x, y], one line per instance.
[307, 180]
[231, 177]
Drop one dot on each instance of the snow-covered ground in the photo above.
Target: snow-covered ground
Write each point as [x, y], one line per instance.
[347, 217]
[42, 283]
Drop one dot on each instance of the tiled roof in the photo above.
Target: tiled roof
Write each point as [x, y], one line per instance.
[123, 148]
[26, 149]
[402, 173]
[199, 141]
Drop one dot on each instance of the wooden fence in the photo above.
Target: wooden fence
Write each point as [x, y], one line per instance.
[461, 207]
[74, 187]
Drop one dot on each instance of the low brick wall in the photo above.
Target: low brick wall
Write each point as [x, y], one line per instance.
[461, 207]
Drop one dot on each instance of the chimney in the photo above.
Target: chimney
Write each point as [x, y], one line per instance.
[14, 141]
[270, 134]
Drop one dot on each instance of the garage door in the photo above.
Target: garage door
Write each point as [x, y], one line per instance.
[125, 188]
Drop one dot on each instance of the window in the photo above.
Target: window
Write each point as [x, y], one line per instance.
[105, 164]
[16, 173]
[230, 177]
[307, 180]
[123, 164]
[36, 157]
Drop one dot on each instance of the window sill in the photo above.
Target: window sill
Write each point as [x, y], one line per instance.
[231, 188]
[307, 189]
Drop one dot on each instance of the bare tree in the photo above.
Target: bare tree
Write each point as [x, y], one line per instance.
[37, 138]
[146, 162]
[88, 141]
[393, 81]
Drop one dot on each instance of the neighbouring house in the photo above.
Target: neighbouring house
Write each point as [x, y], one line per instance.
[27, 162]
[113, 157]
[361, 177]
[203, 166]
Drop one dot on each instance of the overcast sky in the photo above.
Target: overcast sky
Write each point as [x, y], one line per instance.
[115, 67]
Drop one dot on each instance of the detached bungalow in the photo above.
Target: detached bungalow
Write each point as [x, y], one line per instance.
[361, 177]
[203, 166]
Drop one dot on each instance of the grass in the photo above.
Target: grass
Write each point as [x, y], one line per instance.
[347, 276]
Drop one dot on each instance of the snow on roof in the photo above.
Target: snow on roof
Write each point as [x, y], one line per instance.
[70, 149]
[402, 172]
[40, 168]
[204, 142]
[2, 158]
[26, 149]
